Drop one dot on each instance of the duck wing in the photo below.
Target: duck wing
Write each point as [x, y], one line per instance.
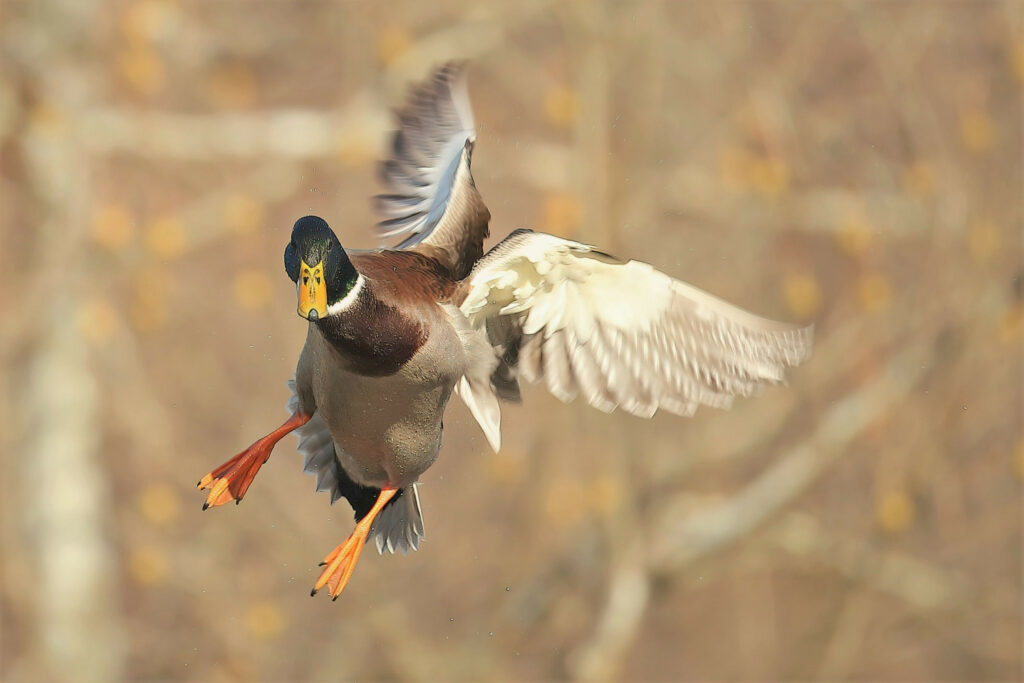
[621, 334]
[431, 200]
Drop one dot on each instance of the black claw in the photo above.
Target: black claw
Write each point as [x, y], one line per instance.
[199, 483]
[321, 564]
[312, 592]
[335, 598]
[237, 501]
[206, 505]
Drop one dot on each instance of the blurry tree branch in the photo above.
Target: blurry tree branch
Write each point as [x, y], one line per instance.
[674, 542]
[915, 582]
[288, 133]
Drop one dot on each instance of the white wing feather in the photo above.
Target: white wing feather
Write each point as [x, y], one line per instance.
[623, 334]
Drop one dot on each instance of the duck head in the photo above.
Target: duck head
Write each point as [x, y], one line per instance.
[319, 267]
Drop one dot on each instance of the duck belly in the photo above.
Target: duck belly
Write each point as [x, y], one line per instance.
[387, 430]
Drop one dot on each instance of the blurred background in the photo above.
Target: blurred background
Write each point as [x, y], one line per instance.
[854, 165]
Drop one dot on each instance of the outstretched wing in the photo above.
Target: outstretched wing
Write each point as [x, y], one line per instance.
[621, 334]
[431, 199]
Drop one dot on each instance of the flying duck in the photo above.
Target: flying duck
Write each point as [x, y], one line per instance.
[393, 332]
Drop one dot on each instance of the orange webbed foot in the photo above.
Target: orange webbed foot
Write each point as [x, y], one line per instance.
[341, 562]
[339, 565]
[231, 480]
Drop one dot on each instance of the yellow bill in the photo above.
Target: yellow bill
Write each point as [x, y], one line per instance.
[312, 291]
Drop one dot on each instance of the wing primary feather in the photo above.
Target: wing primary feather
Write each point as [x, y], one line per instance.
[431, 198]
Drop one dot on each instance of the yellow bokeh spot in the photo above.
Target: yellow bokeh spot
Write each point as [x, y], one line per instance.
[605, 494]
[142, 69]
[264, 620]
[983, 241]
[47, 117]
[243, 214]
[919, 179]
[145, 20]
[895, 512]
[506, 468]
[768, 177]
[564, 503]
[561, 106]
[1017, 60]
[855, 236]
[113, 226]
[97, 320]
[802, 294]
[562, 213]
[874, 292]
[252, 289]
[158, 504]
[392, 43]
[977, 131]
[148, 316]
[1011, 325]
[733, 165]
[165, 237]
[231, 85]
[148, 308]
[148, 565]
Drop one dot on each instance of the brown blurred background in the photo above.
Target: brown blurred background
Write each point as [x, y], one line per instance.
[855, 165]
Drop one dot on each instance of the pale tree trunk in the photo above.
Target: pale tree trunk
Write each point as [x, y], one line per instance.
[66, 507]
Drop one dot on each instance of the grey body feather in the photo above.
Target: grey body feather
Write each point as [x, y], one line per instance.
[399, 526]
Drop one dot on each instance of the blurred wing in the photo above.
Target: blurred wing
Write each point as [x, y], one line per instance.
[432, 201]
[621, 334]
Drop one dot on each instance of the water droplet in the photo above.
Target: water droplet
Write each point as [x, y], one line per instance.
[508, 588]
[490, 633]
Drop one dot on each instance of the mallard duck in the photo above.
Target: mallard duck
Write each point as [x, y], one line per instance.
[393, 332]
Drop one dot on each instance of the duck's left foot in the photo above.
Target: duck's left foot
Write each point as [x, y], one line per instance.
[339, 565]
[230, 481]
